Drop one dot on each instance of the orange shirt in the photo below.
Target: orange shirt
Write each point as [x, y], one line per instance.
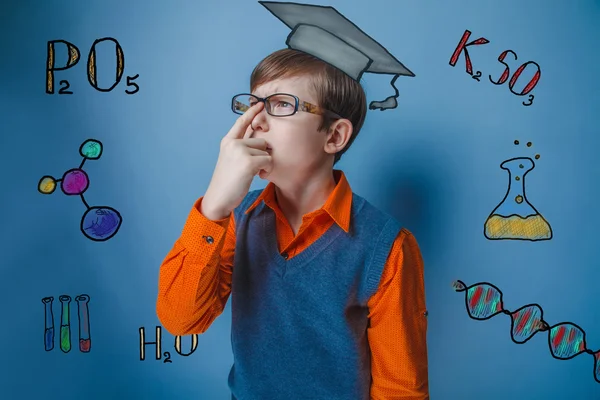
[195, 284]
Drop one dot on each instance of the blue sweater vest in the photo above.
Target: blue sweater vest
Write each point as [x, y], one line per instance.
[299, 326]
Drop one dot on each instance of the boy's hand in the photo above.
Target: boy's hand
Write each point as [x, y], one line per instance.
[240, 159]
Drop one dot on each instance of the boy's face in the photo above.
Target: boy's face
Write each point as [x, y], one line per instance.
[298, 147]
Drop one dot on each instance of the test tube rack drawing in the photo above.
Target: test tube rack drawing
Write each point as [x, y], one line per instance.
[85, 340]
[566, 340]
[98, 223]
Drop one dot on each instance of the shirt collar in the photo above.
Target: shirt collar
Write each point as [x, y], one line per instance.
[338, 204]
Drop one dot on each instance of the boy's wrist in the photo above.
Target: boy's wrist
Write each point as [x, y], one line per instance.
[211, 213]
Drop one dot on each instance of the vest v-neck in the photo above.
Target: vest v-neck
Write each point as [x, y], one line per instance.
[317, 299]
[270, 234]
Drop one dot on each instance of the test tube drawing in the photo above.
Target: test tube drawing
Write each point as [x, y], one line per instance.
[83, 316]
[48, 323]
[85, 341]
[65, 323]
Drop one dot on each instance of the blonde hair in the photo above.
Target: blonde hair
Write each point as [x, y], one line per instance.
[335, 91]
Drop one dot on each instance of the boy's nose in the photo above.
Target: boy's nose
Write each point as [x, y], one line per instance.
[260, 121]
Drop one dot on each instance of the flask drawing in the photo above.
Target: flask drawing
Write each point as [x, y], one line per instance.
[515, 217]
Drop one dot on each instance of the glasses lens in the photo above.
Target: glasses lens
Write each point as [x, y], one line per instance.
[242, 102]
[281, 105]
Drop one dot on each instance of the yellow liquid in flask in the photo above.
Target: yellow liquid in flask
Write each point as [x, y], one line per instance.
[515, 217]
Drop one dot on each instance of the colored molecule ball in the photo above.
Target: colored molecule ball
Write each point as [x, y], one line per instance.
[91, 149]
[47, 185]
[75, 182]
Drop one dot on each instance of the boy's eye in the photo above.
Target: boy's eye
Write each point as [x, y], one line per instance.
[282, 104]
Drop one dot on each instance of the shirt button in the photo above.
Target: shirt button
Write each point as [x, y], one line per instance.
[209, 239]
[285, 255]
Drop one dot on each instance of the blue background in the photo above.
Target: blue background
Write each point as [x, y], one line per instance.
[433, 163]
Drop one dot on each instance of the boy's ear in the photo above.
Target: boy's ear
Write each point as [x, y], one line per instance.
[339, 135]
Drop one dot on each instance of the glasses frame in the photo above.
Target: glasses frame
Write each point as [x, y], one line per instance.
[298, 106]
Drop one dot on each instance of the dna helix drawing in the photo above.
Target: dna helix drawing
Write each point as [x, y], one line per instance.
[566, 340]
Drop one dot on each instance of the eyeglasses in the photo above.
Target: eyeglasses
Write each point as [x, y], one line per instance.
[277, 105]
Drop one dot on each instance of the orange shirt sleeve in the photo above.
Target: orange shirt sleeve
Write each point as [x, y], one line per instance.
[195, 277]
[397, 329]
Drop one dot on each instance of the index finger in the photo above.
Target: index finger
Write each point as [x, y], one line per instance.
[248, 132]
[242, 123]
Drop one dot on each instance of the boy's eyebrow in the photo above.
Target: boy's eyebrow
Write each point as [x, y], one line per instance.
[274, 91]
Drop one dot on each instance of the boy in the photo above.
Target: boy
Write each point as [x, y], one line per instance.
[327, 291]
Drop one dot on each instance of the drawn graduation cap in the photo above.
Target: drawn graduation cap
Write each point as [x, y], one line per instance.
[323, 32]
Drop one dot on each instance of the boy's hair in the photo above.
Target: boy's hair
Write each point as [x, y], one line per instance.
[335, 90]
